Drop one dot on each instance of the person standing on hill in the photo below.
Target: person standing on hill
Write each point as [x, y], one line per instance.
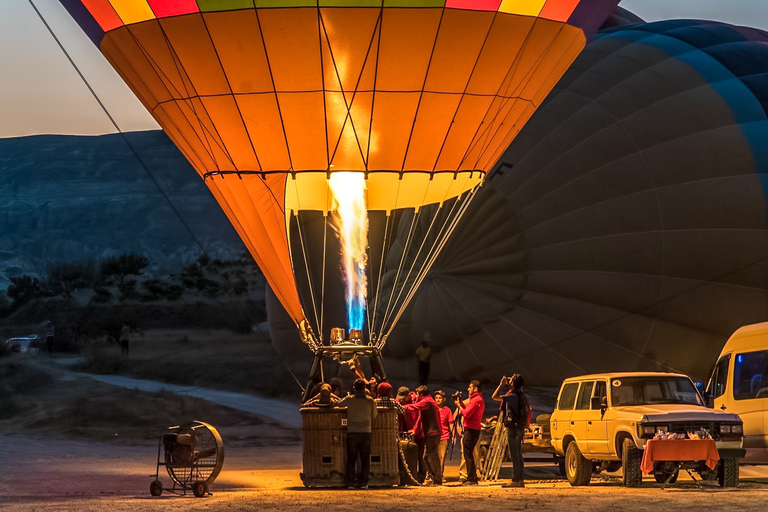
[49, 335]
[361, 411]
[125, 339]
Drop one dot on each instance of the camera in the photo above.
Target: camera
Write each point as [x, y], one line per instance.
[456, 396]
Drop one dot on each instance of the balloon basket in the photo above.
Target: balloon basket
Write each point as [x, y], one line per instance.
[324, 450]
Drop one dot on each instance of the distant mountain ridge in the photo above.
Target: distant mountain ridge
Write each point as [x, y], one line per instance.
[71, 198]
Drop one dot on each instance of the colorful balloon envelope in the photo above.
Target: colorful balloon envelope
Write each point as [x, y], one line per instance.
[270, 100]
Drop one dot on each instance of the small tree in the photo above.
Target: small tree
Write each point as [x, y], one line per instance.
[23, 289]
[125, 265]
[65, 278]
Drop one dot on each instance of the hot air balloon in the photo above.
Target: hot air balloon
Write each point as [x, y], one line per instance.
[625, 227]
[327, 128]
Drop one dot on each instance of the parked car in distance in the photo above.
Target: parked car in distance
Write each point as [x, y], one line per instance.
[20, 343]
[739, 384]
[603, 422]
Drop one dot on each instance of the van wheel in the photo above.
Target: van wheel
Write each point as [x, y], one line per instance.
[728, 473]
[630, 461]
[578, 470]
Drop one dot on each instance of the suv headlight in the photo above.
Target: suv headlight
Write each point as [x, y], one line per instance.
[649, 430]
[662, 428]
[725, 429]
[737, 429]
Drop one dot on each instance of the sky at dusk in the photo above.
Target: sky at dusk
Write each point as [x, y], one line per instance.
[41, 92]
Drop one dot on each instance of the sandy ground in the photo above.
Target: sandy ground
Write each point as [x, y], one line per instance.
[44, 474]
[47, 473]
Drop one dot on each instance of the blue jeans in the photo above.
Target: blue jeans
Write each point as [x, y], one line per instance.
[515, 438]
[358, 444]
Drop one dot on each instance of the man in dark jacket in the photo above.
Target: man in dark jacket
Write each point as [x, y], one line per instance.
[514, 413]
[361, 411]
[429, 419]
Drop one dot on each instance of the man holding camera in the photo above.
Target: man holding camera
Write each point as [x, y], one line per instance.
[514, 411]
[472, 409]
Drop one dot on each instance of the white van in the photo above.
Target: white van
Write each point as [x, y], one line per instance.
[739, 384]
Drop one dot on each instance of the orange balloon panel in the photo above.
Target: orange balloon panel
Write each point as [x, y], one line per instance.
[254, 97]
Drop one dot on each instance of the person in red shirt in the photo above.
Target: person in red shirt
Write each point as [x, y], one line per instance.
[429, 419]
[446, 420]
[472, 409]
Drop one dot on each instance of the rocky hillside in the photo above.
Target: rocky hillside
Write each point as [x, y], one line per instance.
[71, 198]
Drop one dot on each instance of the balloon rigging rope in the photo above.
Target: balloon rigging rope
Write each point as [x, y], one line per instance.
[143, 164]
[438, 210]
[114, 124]
[435, 251]
[306, 268]
[390, 219]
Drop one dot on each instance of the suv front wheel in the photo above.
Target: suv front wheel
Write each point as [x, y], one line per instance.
[578, 470]
[631, 458]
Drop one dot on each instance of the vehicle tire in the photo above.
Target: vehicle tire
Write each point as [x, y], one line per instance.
[578, 470]
[198, 489]
[630, 461]
[156, 488]
[728, 473]
[561, 466]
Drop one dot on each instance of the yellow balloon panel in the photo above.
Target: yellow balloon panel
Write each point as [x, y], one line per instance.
[385, 191]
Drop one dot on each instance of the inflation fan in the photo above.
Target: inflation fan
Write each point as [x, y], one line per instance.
[193, 455]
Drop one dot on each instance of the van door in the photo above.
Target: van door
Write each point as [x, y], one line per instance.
[578, 423]
[597, 427]
[747, 395]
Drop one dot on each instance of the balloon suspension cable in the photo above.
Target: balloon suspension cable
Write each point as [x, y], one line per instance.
[450, 223]
[115, 125]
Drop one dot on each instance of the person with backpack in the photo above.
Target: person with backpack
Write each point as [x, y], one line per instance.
[516, 414]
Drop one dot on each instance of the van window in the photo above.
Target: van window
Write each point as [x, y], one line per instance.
[719, 378]
[568, 396]
[749, 376]
[585, 393]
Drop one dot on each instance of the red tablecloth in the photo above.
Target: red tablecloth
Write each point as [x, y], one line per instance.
[657, 450]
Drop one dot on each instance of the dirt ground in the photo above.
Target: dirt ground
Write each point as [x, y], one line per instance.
[49, 474]
[55, 455]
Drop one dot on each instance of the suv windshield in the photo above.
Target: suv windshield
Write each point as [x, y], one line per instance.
[653, 390]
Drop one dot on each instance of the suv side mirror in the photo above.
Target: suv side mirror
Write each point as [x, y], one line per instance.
[599, 403]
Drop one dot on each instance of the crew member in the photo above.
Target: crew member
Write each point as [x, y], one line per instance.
[429, 418]
[423, 355]
[446, 420]
[513, 412]
[472, 410]
[361, 411]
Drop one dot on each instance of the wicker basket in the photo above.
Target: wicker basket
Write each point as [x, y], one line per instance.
[324, 452]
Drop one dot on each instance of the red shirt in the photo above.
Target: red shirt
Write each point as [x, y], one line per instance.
[409, 420]
[445, 422]
[428, 426]
[473, 412]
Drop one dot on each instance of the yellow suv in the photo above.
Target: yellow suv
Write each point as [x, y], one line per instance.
[603, 421]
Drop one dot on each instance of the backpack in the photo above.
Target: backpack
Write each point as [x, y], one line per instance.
[520, 416]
